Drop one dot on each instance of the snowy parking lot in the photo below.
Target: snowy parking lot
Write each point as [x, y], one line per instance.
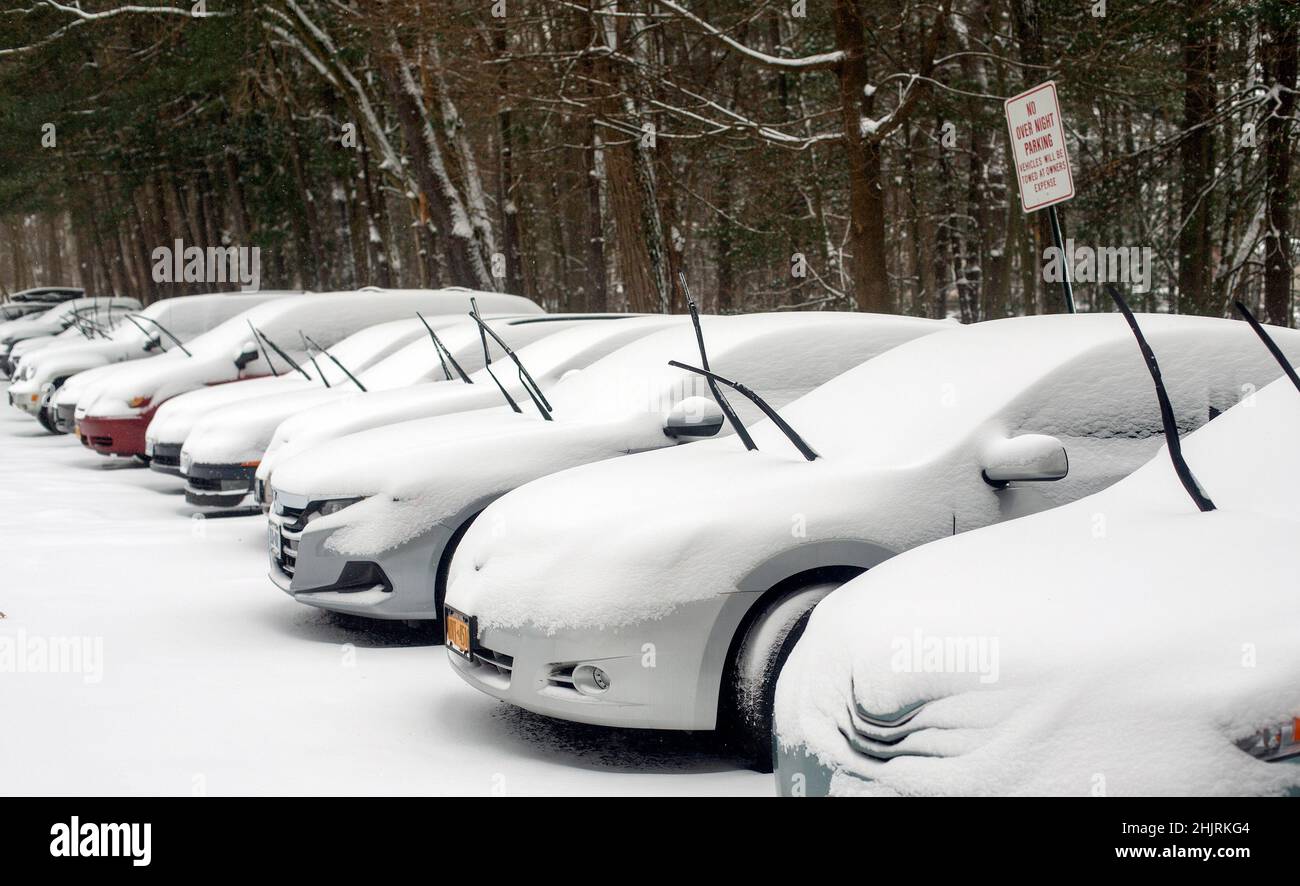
[181, 670]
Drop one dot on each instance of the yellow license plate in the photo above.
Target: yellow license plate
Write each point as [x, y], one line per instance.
[458, 633]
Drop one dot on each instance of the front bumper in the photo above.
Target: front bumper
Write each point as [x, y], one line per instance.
[664, 674]
[27, 400]
[65, 418]
[115, 436]
[165, 458]
[215, 486]
[397, 584]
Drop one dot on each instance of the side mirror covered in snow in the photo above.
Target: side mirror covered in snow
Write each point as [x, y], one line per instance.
[694, 417]
[153, 343]
[248, 352]
[1027, 457]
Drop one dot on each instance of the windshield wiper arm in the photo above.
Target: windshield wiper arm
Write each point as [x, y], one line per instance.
[163, 329]
[311, 355]
[1268, 343]
[487, 359]
[1181, 468]
[283, 356]
[723, 404]
[336, 361]
[791, 434]
[444, 355]
[257, 340]
[526, 380]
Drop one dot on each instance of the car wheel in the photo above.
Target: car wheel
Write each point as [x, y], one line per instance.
[750, 687]
[143, 459]
[47, 421]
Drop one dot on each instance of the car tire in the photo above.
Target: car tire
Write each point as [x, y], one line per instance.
[47, 421]
[750, 683]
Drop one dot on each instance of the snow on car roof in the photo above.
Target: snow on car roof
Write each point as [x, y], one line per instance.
[937, 387]
[1115, 634]
[772, 353]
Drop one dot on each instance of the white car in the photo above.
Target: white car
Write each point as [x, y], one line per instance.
[663, 591]
[1126, 644]
[224, 446]
[366, 524]
[56, 320]
[549, 358]
[158, 328]
[113, 413]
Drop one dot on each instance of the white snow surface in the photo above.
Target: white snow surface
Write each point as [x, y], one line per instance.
[327, 317]
[417, 473]
[1136, 638]
[901, 438]
[53, 321]
[568, 346]
[214, 682]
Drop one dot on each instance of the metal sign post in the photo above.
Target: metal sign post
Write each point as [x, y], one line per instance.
[1042, 162]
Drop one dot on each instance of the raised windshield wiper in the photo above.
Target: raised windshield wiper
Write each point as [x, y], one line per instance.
[283, 356]
[530, 386]
[723, 403]
[163, 329]
[311, 355]
[1175, 446]
[1268, 343]
[336, 362]
[799, 443]
[257, 340]
[444, 355]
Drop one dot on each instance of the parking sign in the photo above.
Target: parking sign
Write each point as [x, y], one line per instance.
[1038, 147]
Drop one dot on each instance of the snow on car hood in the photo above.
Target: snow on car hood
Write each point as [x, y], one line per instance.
[1118, 644]
[417, 473]
[900, 439]
[176, 418]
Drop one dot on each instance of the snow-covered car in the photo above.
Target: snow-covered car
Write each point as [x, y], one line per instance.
[158, 328]
[367, 523]
[112, 415]
[578, 345]
[222, 452]
[38, 300]
[1125, 644]
[707, 561]
[324, 370]
[56, 320]
[218, 443]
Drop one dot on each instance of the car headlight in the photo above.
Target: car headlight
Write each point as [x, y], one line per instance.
[138, 402]
[332, 506]
[1274, 744]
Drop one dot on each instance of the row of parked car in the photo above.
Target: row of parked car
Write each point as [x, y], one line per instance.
[830, 570]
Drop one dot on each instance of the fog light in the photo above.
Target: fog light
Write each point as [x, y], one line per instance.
[590, 680]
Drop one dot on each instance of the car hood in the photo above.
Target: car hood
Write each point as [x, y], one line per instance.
[414, 474]
[362, 411]
[55, 361]
[1118, 645]
[176, 418]
[617, 543]
[158, 381]
[238, 433]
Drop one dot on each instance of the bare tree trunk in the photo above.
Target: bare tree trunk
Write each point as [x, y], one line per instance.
[1196, 157]
[1279, 61]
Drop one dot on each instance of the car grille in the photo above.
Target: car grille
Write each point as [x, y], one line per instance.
[287, 525]
[878, 736]
[167, 454]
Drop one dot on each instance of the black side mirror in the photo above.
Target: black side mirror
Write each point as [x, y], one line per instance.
[248, 352]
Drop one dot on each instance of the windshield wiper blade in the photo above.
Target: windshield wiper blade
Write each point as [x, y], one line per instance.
[723, 403]
[257, 340]
[444, 355]
[1268, 343]
[487, 359]
[526, 380]
[283, 356]
[311, 355]
[164, 330]
[1181, 468]
[336, 361]
[791, 434]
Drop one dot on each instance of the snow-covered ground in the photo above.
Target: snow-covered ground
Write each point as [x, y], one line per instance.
[197, 676]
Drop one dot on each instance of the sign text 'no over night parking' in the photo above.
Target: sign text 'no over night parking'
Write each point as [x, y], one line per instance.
[1038, 147]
